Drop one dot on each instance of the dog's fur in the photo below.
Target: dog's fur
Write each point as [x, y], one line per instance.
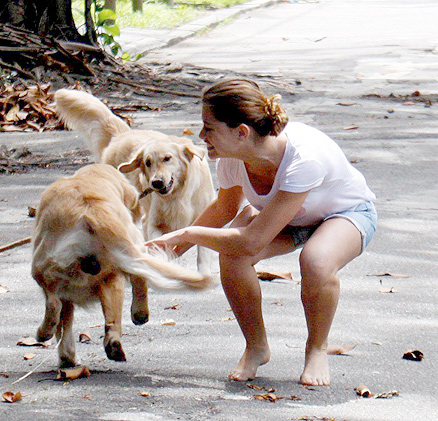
[171, 168]
[86, 244]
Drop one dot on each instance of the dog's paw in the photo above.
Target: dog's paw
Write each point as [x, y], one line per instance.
[66, 362]
[139, 317]
[43, 336]
[114, 351]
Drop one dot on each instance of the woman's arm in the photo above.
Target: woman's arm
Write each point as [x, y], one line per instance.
[249, 240]
[217, 214]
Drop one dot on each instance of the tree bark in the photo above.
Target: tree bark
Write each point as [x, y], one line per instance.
[43, 17]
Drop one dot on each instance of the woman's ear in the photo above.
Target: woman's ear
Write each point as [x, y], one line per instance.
[244, 131]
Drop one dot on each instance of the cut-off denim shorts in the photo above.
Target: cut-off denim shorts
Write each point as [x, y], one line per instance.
[362, 216]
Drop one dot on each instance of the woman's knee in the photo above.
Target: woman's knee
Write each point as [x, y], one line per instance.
[316, 265]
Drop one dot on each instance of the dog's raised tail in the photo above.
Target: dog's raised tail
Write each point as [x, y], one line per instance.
[85, 113]
[161, 273]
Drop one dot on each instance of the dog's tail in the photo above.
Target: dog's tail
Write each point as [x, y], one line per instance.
[85, 113]
[94, 246]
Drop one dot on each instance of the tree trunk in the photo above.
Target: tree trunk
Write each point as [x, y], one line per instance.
[137, 6]
[43, 17]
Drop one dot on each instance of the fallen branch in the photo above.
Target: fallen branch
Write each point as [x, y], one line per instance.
[15, 244]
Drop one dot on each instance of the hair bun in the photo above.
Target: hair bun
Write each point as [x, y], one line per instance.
[276, 114]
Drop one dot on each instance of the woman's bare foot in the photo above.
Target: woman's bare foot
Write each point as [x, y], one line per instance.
[316, 368]
[251, 360]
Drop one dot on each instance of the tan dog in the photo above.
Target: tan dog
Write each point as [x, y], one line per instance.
[86, 245]
[171, 172]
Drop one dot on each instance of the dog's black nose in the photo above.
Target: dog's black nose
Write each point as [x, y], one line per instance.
[158, 184]
[90, 264]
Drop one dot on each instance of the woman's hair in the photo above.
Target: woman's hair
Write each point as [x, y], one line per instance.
[237, 101]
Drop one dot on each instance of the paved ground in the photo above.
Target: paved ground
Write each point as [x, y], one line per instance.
[349, 68]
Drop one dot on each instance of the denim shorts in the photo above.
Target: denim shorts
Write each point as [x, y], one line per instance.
[362, 216]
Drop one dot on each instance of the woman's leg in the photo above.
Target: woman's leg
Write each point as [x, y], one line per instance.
[241, 286]
[335, 243]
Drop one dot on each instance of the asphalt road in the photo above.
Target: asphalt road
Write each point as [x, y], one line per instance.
[365, 73]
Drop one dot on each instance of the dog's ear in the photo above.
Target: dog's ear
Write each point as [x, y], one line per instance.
[190, 151]
[127, 167]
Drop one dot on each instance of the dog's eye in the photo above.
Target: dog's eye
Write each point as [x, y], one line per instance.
[167, 158]
[148, 163]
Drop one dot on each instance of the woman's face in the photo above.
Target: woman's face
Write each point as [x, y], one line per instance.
[220, 139]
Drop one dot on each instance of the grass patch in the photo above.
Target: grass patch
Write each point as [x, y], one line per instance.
[157, 14]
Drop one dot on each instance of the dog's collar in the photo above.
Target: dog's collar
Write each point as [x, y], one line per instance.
[146, 192]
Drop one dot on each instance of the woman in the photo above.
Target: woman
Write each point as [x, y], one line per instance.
[302, 191]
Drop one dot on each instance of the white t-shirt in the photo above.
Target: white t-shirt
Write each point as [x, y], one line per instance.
[312, 162]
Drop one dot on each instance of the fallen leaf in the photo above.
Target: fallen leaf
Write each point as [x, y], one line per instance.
[278, 303]
[226, 319]
[3, 290]
[168, 322]
[386, 395]
[145, 394]
[351, 127]
[269, 276]
[363, 391]
[73, 373]
[187, 132]
[411, 355]
[388, 290]
[340, 349]
[267, 397]
[6, 375]
[87, 397]
[346, 104]
[12, 397]
[174, 307]
[98, 325]
[85, 337]
[29, 341]
[393, 275]
[31, 212]
[29, 356]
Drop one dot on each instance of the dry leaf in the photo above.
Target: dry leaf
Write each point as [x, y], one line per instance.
[351, 127]
[168, 322]
[73, 373]
[363, 391]
[12, 397]
[340, 349]
[6, 375]
[411, 355]
[174, 307]
[269, 276]
[85, 337]
[145, 394]
[87, 397]
[278, 303]
[346, 104]
[187, 132]
[393, 275]
[226, 319]
[386, 395]
[31, 211]
[3, 290]
[29, 356]
[98, 325]
[254, 386]
[29, 341]
[267, 397]
[388, 290]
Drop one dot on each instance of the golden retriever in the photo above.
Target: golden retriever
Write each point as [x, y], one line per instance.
[86, 244]
[171, 172]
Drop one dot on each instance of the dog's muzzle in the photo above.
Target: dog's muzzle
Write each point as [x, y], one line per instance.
[159, 186]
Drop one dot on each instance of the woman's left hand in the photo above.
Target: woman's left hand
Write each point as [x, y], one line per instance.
[171, 241]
